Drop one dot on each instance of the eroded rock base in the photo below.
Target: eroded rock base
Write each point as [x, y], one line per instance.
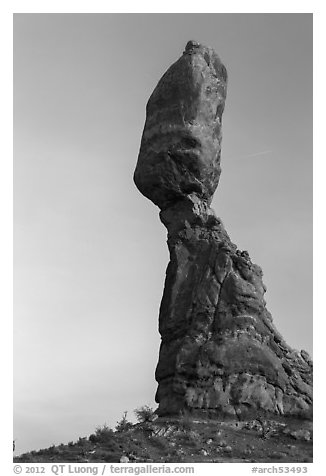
[220, 350]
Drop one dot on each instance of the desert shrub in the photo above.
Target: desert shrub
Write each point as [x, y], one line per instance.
[124, 424]
[102, 434]
[81, 441]
[53, 449]
[93, 438]
[103, 430]
[145, 414]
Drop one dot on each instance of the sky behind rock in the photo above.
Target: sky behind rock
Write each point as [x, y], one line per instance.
[89, 251]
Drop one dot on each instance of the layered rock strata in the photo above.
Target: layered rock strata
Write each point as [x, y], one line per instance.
[220, 351]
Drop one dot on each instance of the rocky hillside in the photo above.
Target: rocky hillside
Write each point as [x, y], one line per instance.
[187, 440]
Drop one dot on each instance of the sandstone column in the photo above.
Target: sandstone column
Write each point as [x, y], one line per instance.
[220, 353]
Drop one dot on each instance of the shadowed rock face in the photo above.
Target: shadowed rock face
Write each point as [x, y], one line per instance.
[220, 351]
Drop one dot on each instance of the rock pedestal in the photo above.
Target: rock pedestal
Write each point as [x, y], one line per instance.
[220, 352]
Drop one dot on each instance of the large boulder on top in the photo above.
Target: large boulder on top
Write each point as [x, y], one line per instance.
[181, 142]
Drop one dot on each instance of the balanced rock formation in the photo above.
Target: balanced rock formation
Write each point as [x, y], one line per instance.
[220, 351]
[180, 149]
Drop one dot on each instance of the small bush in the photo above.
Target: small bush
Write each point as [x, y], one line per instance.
[145, 414]
[81, 441]
[103, 430]
[53, 449]
[102, 434]
[93, 438]
[124, 424]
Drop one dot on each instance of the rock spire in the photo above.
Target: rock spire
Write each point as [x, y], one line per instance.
[220, 352]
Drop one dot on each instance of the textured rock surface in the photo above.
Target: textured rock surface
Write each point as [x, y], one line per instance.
[220, 351]
[181, 143]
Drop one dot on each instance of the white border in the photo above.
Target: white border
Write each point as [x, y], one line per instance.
[6, 188]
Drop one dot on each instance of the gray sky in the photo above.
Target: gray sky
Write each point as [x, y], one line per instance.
[89, 251]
